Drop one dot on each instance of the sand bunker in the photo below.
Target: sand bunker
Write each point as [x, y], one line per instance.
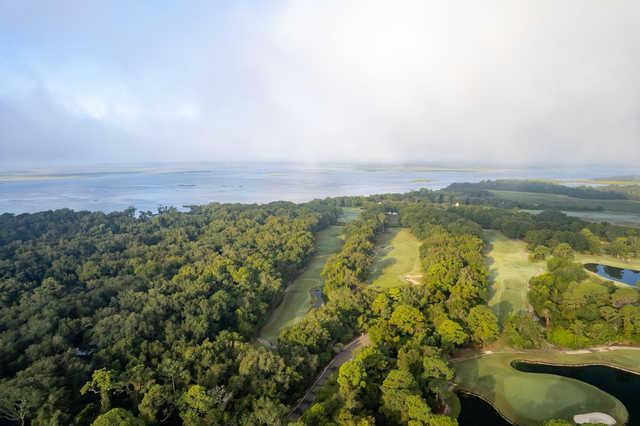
[594, 418]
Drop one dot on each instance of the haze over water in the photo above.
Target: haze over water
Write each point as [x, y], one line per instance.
[147, 187]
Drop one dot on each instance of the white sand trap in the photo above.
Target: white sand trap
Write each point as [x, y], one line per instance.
[578, 352]
[594, 418]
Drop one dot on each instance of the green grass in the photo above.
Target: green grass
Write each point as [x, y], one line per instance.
[528, 399]
[568, 203]
[397, 255]
[509, 274]
[298, 298]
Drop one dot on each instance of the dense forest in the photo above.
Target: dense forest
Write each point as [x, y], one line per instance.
[150, 318]
[148, 312]
[579, 310]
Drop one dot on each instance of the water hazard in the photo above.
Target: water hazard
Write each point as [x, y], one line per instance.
[627, 276]
[477, 412]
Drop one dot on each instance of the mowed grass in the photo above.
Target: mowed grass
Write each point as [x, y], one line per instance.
[566, 202]
[397, 255]
[528, 399]
[298, 298]
[509, 274]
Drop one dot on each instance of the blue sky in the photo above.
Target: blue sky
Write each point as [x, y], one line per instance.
[501, 81]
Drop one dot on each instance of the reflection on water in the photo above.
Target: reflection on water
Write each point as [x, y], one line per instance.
[621, 384]
[627, 276]
[477, 412]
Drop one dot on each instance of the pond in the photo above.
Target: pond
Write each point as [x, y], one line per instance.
[477, 412]
[627, 276]
[621, 384]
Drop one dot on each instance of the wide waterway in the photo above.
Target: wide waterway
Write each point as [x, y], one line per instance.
[148, 187]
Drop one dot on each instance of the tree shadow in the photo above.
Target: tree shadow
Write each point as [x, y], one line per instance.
[384, 247]
[503, 309]
[380, 267]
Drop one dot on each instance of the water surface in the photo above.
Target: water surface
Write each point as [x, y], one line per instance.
[627, 276]
[477, 412]
[147, 187]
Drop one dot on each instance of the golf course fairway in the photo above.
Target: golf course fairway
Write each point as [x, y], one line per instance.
[509, 273]
[397, 255]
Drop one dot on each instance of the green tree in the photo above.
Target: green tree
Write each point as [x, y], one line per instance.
[523, 331]
[19, 403]
[102, 384]
[417, 408]
[117, 417]
[352, 378]
[157, 403]
[441, 420]
[451, 333]
[396, 388]
[539, 253]
[563, 251]
[197, 407]
[483, 324]
[408, 320]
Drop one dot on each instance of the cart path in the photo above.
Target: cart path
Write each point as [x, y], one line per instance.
[345, 355]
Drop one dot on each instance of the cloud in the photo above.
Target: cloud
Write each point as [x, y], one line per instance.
[461, 81]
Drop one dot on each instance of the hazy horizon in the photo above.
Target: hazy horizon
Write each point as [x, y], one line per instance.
[462, 83]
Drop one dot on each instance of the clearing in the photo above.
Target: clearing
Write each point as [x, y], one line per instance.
[298, 297]
[509, 274]
[397, 259]
[530, 398]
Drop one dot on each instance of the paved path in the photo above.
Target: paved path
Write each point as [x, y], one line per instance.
[345, 355]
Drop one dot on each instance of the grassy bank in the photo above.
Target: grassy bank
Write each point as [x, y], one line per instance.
[510, 271]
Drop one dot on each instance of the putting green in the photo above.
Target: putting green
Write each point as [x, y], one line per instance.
[509, 274]
[298, 298]
[397, 255]
[528, 399]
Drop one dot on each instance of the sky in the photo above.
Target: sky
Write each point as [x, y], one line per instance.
[458, 81]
